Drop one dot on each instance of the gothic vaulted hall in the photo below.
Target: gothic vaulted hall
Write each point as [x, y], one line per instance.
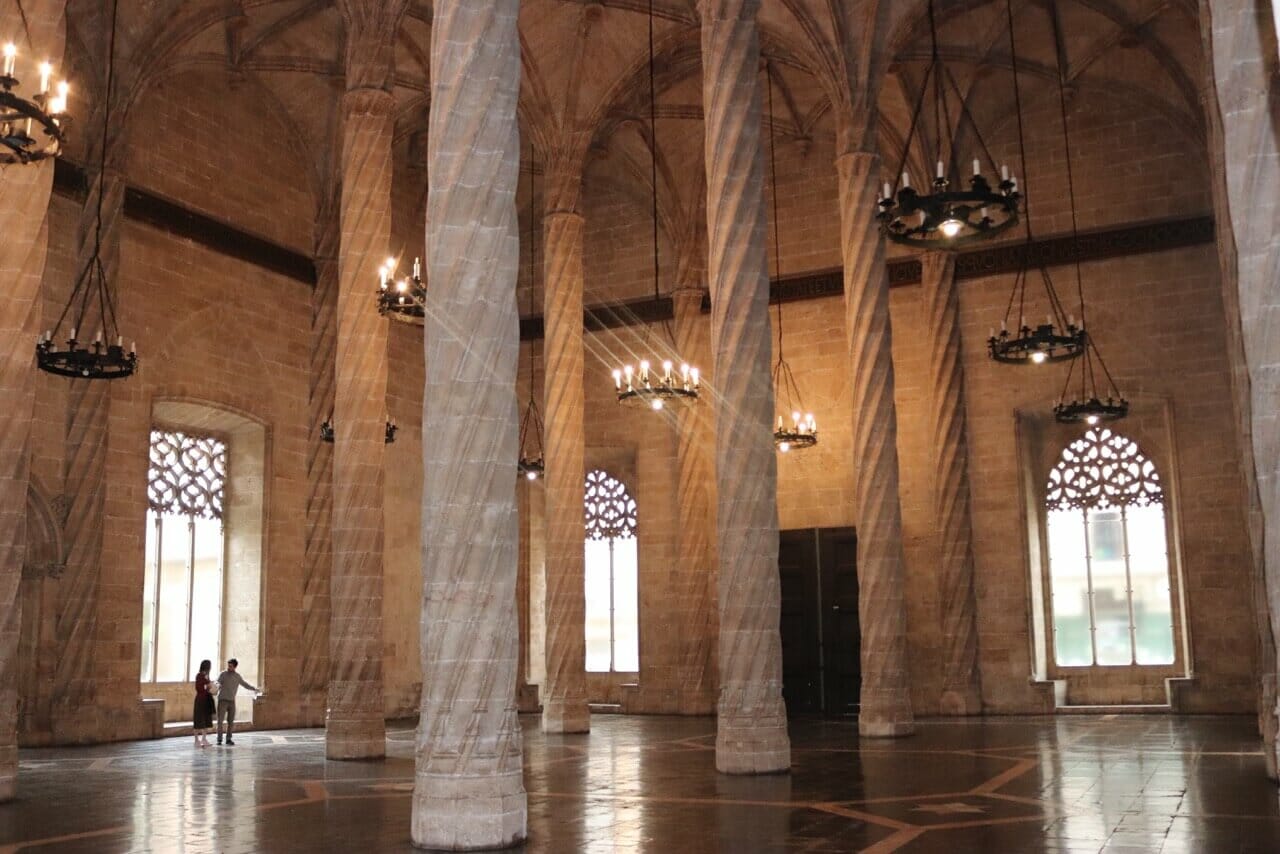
[640, 425]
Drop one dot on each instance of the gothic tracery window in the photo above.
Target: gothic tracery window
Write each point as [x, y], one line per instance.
[182, 584]
[612, 583]
[1109, 573]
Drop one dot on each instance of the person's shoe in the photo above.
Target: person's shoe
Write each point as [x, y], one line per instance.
[230, 743]
[219, 741]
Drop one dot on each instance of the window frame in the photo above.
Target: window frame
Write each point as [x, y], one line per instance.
[1048, 641]
[631, 522]
[152, 561]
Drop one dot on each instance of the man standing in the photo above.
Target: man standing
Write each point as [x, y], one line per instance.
[229, 681]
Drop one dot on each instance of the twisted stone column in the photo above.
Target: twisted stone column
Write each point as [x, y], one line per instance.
[354, 727]
[84, 476]
[317, 562]
[695, 551]
[24, 203]
[468, 790]
[961, 686]
[751, 727]
[564, 697]
[886, 703]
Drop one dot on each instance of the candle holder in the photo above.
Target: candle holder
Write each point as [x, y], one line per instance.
[946, 219]
[1048, 342]
[96, 361]
[43, 112]
[327, 433]
[644, 387]
[404, 299]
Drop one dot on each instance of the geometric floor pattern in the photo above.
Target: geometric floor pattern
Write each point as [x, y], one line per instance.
[1115, 784]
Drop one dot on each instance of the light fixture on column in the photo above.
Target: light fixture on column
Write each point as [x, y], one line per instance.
[531, 463]
[1030, 342]
[935, 216]
[656, 384]
[32, 126]
[104, 358]
[402, 298]
[327, 433]
[1095, 401]
[796, 428]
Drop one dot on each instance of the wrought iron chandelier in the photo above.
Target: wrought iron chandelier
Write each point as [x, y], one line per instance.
[642, 385]
[531, 463]
[327, 432]
[104, 358]
[1029, 342]
[1095, 402]
[401, 299]
[42, 112]
[936, 216]
[801, 431]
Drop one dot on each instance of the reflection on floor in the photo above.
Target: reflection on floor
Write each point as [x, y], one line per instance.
[1114, 784]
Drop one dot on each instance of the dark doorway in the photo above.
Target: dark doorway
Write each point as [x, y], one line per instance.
[821, 639]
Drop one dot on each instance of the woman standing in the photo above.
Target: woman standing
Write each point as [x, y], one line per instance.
[202, 712]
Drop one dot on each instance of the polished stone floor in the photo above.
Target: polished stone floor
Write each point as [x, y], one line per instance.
[1113, 784]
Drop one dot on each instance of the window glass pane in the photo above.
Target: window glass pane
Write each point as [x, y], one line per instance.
[1110, 587]
[626, 607]
[149, 578]
[206, 597]
[171, 643]
[1069, 589]
[597, 605]
[1149, 575]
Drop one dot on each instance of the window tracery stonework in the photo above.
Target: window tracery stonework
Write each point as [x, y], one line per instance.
[610, 509]
[1100, 470]
[187, 475]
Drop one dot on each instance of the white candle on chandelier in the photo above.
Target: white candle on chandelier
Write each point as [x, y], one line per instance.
[617, 379]
[120, 341]
[1071, 320]
[390, 264]
[1004, 172]
[10, 58]
[97, 339]
[644, 371]
[795, 419]
[58, 104]
[906, 179]
[888, 191]
[684, 375]
[1004, 326]
[941, 170]
[133, 347]
[627, 370]
[693, 372]
[46, 71]
[977, 167]
[666, 372]
[417, 268]
[779, 422]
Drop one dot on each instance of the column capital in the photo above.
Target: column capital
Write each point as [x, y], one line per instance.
[371, 27]
[728, 10]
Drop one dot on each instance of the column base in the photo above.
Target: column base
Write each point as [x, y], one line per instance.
[869, 727]
[355, 739]
[8, 773]
[763, 748]
[469, 813]
[960, 703]
[566, 716]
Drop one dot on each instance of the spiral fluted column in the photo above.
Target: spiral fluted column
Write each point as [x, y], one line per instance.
[886, 702]
[317, 562]
[695, 550]
[564, 698]
[961, 686]
[24, 204]
[84, 476]
[354, 725]
[751, 724]
[468, 789]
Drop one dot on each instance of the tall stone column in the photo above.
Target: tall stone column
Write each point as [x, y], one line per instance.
[751, 726]
[24, 204]
[355, 727]
[468, 790]
[886, 702]
[317, 563]
[564, 695]
[961, 686]
[695, 549]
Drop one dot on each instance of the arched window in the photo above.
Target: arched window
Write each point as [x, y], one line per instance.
[612, 583]
[182, 584]
[1108, 555]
